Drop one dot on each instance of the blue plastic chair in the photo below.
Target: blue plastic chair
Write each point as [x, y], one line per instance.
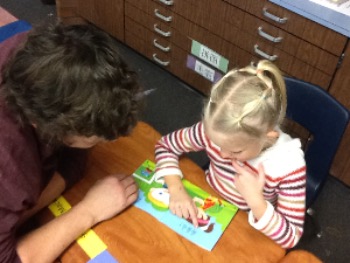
[326, 120]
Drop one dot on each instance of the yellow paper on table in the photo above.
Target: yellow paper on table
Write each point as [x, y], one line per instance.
[60, 206]
[91, 243]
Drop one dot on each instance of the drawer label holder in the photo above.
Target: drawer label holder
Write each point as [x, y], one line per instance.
[209, 56]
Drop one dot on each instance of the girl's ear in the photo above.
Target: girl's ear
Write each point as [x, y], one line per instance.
[273, 134]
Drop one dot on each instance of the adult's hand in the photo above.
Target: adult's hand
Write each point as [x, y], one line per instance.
[109, 196]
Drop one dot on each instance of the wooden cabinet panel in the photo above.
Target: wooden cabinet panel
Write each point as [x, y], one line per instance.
[303, 50]
[107, 15]
[188, 9]
[142, 25]
[300, 26]
[340, 89]
[341, 163]
[239, 3]
[315, 64]
[300, 62]
[66, 8]
[303, 71]
[67, 12]
[175, 58]
[341, 84]
[286, 62]
[183, 31]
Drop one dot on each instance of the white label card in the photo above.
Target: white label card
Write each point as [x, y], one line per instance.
[204, 71]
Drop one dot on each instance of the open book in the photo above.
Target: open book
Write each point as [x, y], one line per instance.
[215, 214]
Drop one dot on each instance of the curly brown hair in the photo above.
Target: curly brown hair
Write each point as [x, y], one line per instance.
[71, 80]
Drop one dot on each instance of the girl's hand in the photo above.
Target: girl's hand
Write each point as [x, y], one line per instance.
[250, 185]
[182, 205]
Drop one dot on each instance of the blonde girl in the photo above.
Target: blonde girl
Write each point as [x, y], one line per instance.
[253, 163]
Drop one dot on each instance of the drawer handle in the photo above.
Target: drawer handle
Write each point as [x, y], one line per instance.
[268, 37]
[162, 48]
[162, 17]
[167, 2]
[163, 63]
[263, 54]
[273, 17]
[161, 32]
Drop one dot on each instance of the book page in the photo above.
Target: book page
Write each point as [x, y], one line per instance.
[215, 213]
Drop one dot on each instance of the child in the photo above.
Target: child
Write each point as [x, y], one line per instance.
[253, 164]
[65, 90]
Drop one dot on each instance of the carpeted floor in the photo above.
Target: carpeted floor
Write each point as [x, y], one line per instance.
[173, 105]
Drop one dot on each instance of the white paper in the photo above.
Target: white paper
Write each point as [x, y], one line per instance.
[341, 6]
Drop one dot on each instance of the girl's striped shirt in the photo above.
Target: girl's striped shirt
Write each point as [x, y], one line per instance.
[284, 189]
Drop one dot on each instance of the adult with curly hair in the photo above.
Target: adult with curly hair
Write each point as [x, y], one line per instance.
[65, 90]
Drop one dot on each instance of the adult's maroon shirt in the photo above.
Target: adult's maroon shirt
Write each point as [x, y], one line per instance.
[26, 166]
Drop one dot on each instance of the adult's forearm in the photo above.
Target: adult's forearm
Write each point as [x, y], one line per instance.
[46, 243]
[105, 199]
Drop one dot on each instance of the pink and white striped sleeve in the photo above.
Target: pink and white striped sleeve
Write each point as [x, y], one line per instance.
[171, 146]
[284, 223]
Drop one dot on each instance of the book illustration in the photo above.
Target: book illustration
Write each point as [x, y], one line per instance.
[160, 198]
[214, 214]
[145, 172]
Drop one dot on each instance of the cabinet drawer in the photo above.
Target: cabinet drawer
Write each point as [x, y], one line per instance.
[192, 10]
[286, 62]
[173, 61]
[182, 32]
[268, 34]
[295, 24]
[246, 47]
[238, 23]
[107, 15]
[205, 13]
[195, 11]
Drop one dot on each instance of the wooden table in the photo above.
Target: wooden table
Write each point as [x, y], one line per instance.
[300, 256]
[135, 236]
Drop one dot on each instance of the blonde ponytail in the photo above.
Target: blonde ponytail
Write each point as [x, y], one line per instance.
[251, 99]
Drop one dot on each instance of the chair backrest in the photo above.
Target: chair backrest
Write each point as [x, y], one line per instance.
[326, 119]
